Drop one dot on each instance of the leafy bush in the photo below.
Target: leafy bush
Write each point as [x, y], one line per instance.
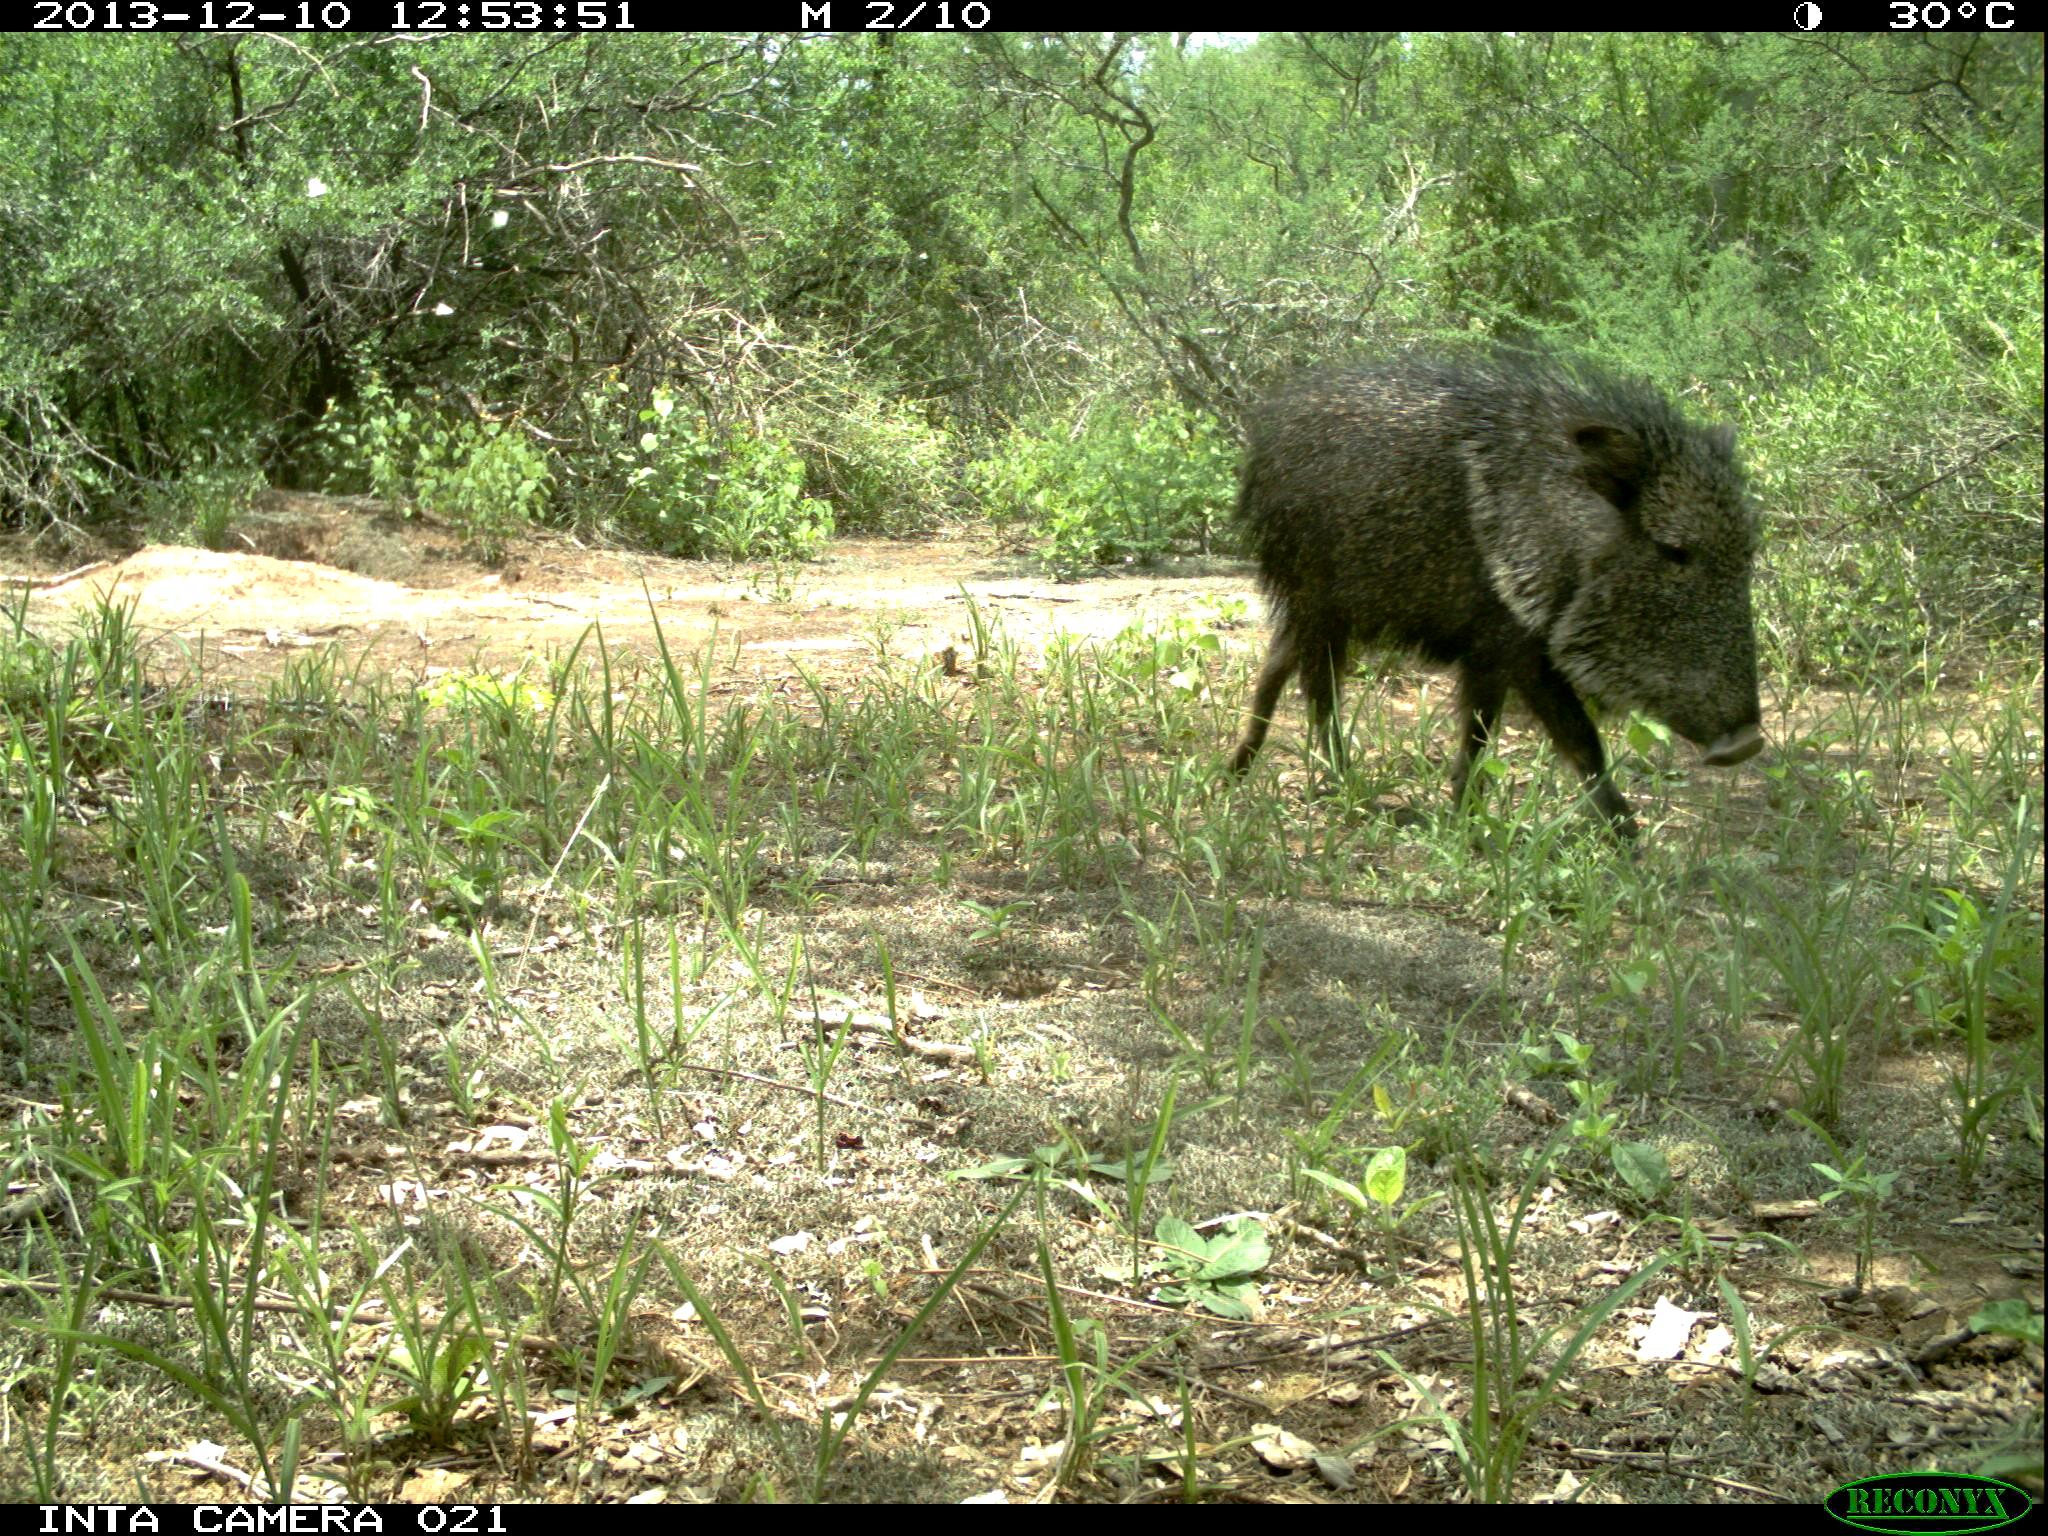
[1671, 303]
[885, 468]
[1908, 455]
[1127, 485]
[694, 490]
[372, 440]
[487, 479]
[484, 478]
[201, 504]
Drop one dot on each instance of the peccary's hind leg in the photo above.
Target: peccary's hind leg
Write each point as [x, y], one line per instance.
[1280, 664]
[1324, 648]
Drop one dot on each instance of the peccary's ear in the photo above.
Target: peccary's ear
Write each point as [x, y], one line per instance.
[1612, 460]
[1722, 436]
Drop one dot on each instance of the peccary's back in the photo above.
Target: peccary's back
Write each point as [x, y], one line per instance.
[1356, 503]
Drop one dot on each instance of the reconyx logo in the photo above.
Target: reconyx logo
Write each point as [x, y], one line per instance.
[1949, 1502]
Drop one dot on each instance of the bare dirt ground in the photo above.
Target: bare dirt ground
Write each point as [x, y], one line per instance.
[308, 572]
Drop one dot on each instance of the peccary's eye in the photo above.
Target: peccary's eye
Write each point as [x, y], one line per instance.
[1677, 554]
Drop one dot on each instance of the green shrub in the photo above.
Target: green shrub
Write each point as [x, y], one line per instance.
[885, 468]
[1907, 455]
[486, 479]
[693, 489]
[201, 505]
[1128, 485]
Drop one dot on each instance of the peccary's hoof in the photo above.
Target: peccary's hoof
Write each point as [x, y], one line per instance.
[1737, 746]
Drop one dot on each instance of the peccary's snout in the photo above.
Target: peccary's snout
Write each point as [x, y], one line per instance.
[1736, 746]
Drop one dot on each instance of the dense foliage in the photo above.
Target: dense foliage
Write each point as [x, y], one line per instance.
[725, 294]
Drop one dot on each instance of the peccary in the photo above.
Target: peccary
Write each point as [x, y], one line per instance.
[1542, 526]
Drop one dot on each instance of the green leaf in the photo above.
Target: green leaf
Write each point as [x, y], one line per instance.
[1386, 1175]
[1643, 1168]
